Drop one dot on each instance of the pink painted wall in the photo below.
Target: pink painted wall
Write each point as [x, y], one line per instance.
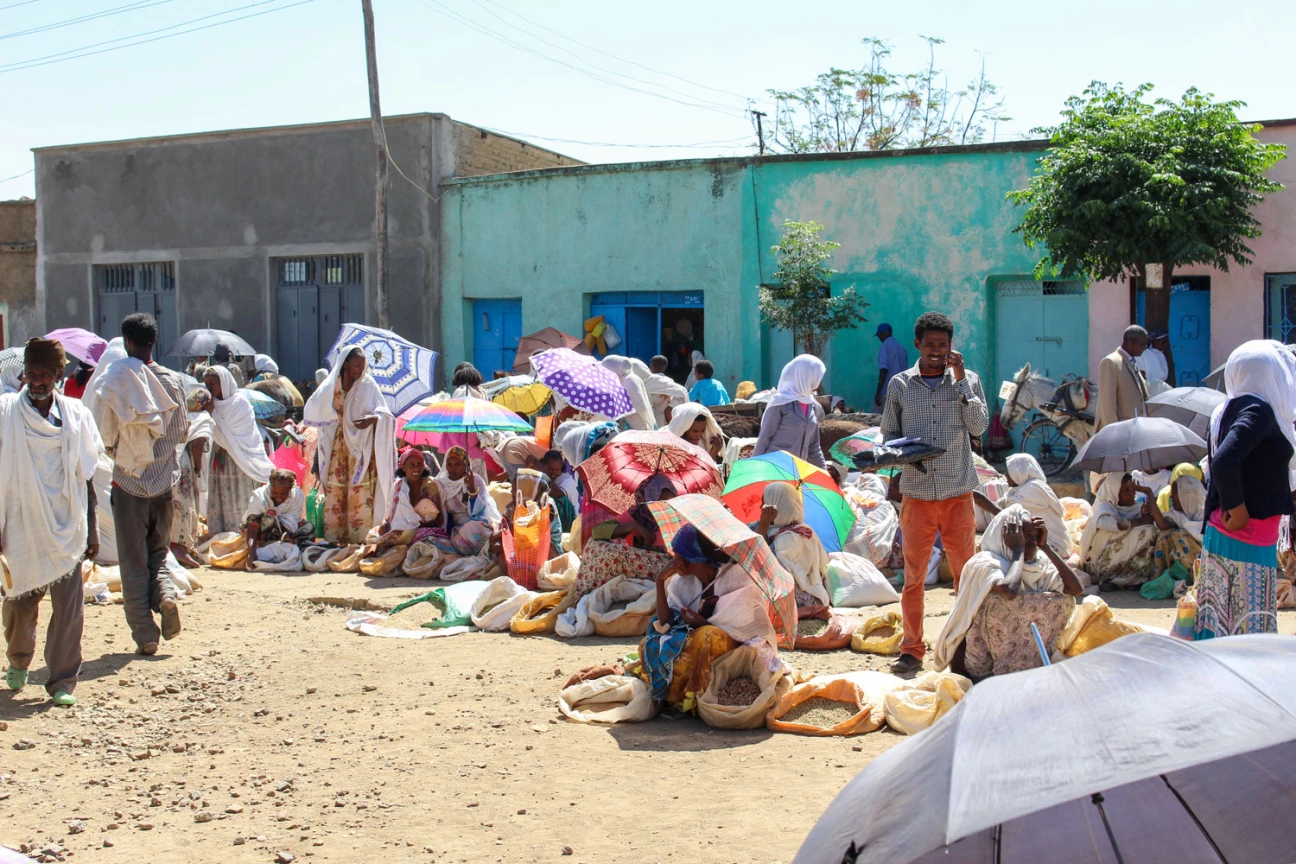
[1237, 297]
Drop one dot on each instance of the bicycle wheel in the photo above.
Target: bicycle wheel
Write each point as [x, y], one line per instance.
[1045, 441]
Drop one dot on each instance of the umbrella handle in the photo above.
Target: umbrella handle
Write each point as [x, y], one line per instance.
[1039, 643]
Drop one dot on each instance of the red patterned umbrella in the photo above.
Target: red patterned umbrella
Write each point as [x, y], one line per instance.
[613, 474]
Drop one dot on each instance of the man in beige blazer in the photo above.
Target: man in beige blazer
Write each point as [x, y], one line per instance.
[1122, 392]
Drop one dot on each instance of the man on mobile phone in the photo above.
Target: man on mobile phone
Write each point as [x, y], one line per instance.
[941, 402]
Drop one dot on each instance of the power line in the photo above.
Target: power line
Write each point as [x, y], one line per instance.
[63, 55]
[16, 5]
[695, 145]
[130, 7]
[23, 174]
[481, 28]
[613, 56]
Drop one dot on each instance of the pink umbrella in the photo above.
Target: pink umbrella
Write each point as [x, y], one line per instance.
[81, 344]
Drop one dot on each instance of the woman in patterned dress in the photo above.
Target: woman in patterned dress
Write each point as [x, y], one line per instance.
[630, 544]
[239, 463]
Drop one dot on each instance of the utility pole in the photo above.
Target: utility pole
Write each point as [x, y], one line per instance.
[380, 161]
[760, 131]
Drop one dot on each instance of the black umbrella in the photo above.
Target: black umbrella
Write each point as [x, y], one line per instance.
[1187, 406]
[1141, 444]
[203, 341]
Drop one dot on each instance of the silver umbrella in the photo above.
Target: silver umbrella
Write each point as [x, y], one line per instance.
[1141, 444]
[1216, 378]
[1187, 406]
[203, 341]
[1147, 749]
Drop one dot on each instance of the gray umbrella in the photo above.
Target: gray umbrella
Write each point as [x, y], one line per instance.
[1216, 378]
[1141, 444]
[203, 342]
[1187, 406]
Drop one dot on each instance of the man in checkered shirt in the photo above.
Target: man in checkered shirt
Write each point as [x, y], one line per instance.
[942, 403]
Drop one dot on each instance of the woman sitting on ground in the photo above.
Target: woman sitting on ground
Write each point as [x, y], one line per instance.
[239, 463]
[563, 492]
[1183, 469]
[1015, 580]
[1116, 547]
[795, 544]
[1028, 486]
[706, 606]
[413, 512]
[696, 425]
[1181, 528]
[276, 514]
[468, 516]
[628, 544]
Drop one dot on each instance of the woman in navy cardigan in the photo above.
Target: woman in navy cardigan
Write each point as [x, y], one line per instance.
[1253, 442]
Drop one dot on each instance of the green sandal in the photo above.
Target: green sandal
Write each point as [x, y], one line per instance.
[64, 699]
[16, 679]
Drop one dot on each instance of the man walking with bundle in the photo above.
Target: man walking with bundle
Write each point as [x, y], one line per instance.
[49, 445]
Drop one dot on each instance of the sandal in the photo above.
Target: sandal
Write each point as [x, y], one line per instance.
[64, 699]
[16, 679]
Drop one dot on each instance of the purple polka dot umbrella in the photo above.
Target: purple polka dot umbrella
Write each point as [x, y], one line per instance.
[583, 382]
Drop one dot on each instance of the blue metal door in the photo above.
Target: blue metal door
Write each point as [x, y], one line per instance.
[497, 327]
[1189, 332]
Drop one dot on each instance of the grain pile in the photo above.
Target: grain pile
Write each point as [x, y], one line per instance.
[821, 713]
[738, 692]
[811, 626]
[413, 617]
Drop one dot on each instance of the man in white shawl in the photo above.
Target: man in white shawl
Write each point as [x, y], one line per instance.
[49, 445]
[357, 448]
[238, 463]
[623, 368]
[1028, 486]
[1014, 581]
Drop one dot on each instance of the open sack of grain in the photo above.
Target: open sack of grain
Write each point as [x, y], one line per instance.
[610, 699]
[915, 705]
[745, 684]
[824, 706]
[539, 615]
[829, 633]
[879, 634]
[495, 607]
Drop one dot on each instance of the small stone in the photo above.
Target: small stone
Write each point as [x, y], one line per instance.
[86, 742]
[473, 804]
[24, 744]
[567, 850]
[234, 810]
[285, 786]
[369, 688]
[239, 841]
[76, 826]
[230, 676]
[284, 858]
[858, 748]
[310, 690]
[108, 843]
[145, 826]
[288, 742]
[203, 816]
[522, 812]
[157, 691]
[4, 727]
[558, 674]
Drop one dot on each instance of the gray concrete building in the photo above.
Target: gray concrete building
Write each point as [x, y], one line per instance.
[264, 232]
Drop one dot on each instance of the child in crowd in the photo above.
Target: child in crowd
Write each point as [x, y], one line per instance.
[275, 514]
[563, 492]
[707, 390]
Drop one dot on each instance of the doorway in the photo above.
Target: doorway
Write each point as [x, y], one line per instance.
[1189, 327]
[671, 323]
[497, 327]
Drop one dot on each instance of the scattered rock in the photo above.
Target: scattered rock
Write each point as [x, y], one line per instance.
[108, 843]
[567, 850]
[24, 744]
[157, 691]
[76, 826]
[284, 858]
[204, 816]
[4, 727]
[369, 688]
[310, 690]
[522, 812]
[234, 810]
[145, 826]
[239, 841]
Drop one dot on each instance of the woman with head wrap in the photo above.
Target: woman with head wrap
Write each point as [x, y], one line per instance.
[706, 606]
[276, 386]
[1181, 528]
[1180, 470]
[239, 463]
[628, 543]
[1116, 547]
[190, 496]
[519, 452]
[1253, 454]
[413, 508]
[468, 513]
[357, 448]
[795, 544]
[642, 418]
[792, 414]
[666, 396]
[696, 425]
[1028, 486]
[1015, 580]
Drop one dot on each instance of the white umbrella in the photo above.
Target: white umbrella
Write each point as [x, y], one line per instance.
[1147, 749]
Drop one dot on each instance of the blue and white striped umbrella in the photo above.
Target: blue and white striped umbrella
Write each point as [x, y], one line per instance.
[402, 369]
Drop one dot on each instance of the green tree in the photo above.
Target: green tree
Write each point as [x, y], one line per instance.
[800, 300]
[1129, 184]
[875, 109]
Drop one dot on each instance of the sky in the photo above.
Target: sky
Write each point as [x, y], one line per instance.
[675, 79]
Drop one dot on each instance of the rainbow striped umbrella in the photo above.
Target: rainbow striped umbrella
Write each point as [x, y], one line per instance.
[826, 511]
[469, 414]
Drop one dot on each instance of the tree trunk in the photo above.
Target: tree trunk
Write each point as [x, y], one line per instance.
[1157, 312]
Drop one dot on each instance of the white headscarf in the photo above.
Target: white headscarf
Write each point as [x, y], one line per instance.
[116, 350]
[695, 359]
[684, 417]
[320, 375]
[236, 430]
[992, 566]
[797, 381]
[623, 368]
[1192, 498]
[265, 363]
[804, 557]
[1033, 492]
[1106, 503]
[1265, 369]
[663, 392]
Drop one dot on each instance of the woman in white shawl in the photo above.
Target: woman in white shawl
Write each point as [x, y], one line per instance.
[1180, 537]
[666, 397]
[796, 545]
[695, 424]
[1014, 581]
[239, 463]
[792, 414]
[1116, 547]
[190, 494]
[1028, 486]
[357, 448]
[468, 513]
[642, 417]
[696, 358]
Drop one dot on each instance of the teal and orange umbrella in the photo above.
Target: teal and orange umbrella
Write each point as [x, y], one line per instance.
[826, 511]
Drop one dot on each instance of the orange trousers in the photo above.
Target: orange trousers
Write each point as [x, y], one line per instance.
[920, 522]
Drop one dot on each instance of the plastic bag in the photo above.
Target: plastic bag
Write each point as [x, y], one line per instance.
[501, 493]
[316, 558]
[315, 510]
[743, 661]
[836, 689]
[572, 539]
[348, 560]
[836, 636]
[856, 581]
[465, 568]
[876, 520]
[454, 601]
[1160, 588]
[879, 634]
[423, 561]
[228, 551]
[386, 564]
[1185, 626]
[575, 622]
[278, 558]
[540, 613]
[916, 705]
[610, 699]
[558, 573]
[496, 606]
[632, 619]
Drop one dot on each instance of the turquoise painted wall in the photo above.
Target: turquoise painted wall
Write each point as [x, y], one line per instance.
[917, 232]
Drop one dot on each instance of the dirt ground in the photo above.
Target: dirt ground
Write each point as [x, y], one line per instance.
[268, 728]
